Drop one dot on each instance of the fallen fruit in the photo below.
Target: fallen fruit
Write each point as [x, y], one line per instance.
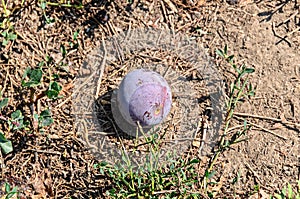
[144, 96]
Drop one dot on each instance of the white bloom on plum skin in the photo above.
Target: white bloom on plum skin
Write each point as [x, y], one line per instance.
[144, 96]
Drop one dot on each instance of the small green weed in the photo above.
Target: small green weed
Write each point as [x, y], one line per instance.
[173, 180]
[16, 122]
[35, 79]
[44, 4]
[66, 48]
[8, 35]
[63, 50]
[10, 192]
[288, 193]
[3, 103]
[32, 78]
[53, 90]
[239, 90]
[44, 119]
[74, 43]
[152, 179]
[8, 31]
[5, 144]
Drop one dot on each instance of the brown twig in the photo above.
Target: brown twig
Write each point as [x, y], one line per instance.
[5, 82]
[290, 33]
[280, 6]
[267, 130]
[288, 19]
[264, 129]
[44, 151]
[266, 118]
[171, 6]
[235, 127]
[164, 11]
[86, 135]
[254, 173]
[277, 35]
[102, 133]
[204, 133]
[102, 67]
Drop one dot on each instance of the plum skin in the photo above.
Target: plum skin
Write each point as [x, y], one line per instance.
[147, 103]
[144, 97]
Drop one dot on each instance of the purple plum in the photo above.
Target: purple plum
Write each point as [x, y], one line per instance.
[144, 96]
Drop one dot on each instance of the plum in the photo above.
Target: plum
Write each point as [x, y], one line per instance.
[144, 96]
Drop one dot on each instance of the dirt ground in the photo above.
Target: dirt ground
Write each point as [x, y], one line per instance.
[264, 35]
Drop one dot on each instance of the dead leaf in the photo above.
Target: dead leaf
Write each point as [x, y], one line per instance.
[42, 184]
[38, 184]
[171, 6]
[196, 143]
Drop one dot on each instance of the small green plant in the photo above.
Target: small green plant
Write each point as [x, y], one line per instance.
[74, 44]
[3, 103]
[16, 122]
[178, 177]
[8, 31]
[256, 189]
[8, 35]
[209, 181]
[237, 178]
[151, 179]
[5, 144]
[63, 50]
[44, 119]
[239, 90]
[10, 192]
[34, 77]
[53, 91]
[288, 193]
[43, 5]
